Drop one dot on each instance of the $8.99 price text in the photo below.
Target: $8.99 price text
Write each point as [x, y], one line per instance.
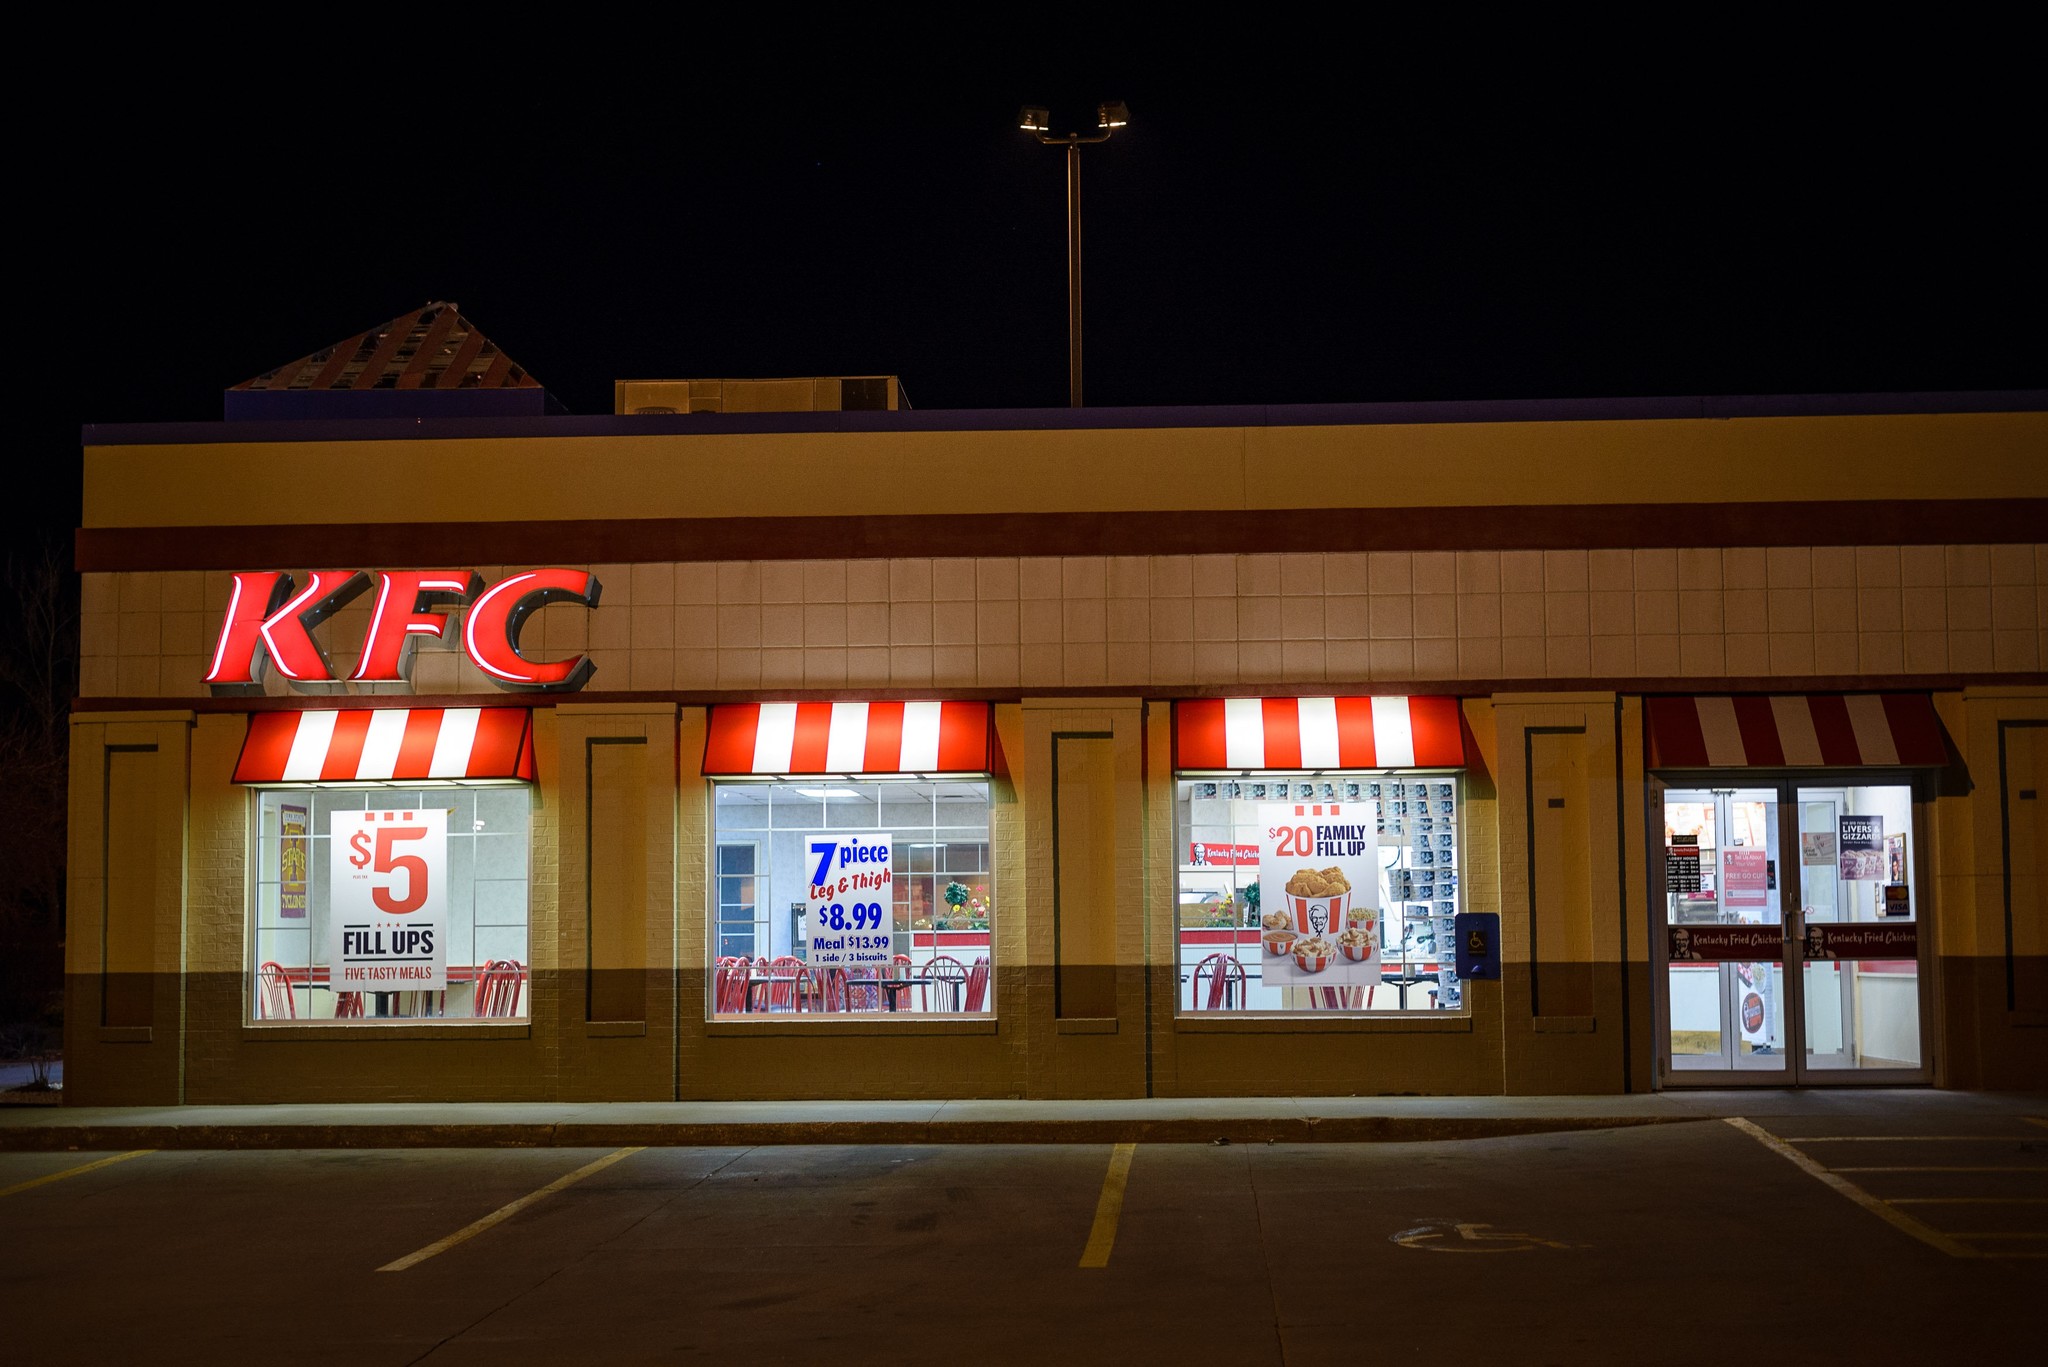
[859, 916]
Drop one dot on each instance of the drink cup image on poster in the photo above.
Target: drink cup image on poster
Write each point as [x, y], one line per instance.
[1319, 872]
[852, 893]
[1862, 847]
[387, 915]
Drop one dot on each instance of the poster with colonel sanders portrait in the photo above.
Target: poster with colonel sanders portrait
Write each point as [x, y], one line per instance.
[1319, 894]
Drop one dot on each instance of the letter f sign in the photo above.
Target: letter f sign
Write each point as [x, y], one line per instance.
[268, 622]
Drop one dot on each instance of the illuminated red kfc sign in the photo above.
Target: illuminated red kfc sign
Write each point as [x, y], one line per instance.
[271, 617]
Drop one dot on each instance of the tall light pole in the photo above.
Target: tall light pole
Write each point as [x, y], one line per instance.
[1038, 122]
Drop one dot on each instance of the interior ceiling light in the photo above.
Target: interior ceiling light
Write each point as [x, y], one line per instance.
[829, 792]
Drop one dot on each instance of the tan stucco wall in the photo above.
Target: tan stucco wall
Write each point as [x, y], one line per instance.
[1951, 455]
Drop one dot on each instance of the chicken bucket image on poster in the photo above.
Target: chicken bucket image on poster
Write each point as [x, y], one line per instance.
[1319, 878]
[387, 919]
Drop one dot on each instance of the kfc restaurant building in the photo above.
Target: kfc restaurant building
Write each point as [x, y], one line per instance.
[431, 746]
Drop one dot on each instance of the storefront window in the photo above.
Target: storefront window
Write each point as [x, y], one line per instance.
[836, 896]
[378, 905]
[1335, 892]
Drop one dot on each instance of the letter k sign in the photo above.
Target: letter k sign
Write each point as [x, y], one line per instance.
[268, 622]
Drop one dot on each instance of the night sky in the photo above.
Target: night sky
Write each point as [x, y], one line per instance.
[1404, 223]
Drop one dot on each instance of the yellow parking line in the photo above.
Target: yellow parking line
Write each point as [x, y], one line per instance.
[2035, 1120]
[506, 1212]
[1103, 1235]
[1898, 1219]
[73, 1172]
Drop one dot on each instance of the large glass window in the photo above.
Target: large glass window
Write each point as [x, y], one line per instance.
[383, 904]
[836, 896]
[1331, 892]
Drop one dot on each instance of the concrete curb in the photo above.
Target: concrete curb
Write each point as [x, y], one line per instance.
[743, 1134]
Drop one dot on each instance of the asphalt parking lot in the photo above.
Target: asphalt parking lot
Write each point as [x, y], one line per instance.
[1863, 1241]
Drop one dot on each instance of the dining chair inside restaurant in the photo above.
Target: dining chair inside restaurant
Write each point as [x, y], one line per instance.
[977, 984]
[1226, 989]
[348, 1006]
[829, 988]
[1339, 998]
[498, 988]
[785, 977]
[945, 982]
[864, 990]
[732, 994]
[276, 1001]
[900, 970]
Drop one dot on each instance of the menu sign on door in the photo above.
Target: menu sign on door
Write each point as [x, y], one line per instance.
[387, 915]
[852, 893]
[1682, 864]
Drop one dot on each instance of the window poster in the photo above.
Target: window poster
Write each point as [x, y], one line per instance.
[387, 919]
[1319, 867]
[1817, 849]
[852, 891]
[1862, 847]
[1753, 1005]
[1204, 854]
[1682, 864]
[294, 858]
[1747, 878]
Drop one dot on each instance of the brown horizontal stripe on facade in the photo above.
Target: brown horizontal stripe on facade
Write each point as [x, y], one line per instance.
[1464, 688]
[1907, 522]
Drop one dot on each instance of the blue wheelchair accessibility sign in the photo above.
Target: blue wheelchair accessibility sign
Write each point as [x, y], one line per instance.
[1478, 953]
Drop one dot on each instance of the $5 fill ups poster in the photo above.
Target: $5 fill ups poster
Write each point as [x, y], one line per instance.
[387, 915]
[1319, 895]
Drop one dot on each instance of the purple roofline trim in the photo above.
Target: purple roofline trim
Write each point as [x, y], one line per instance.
[1057, 419]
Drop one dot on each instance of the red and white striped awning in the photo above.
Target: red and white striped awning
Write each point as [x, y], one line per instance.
[1318, 733]
[1795, 731]
[848, 738]
[387, 743]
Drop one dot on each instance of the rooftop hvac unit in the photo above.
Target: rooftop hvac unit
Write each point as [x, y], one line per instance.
[808, 394]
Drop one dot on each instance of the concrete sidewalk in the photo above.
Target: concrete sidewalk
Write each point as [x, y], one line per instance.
[1200, 1120]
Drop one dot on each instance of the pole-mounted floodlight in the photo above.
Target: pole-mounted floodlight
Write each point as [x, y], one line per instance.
[1109, 117]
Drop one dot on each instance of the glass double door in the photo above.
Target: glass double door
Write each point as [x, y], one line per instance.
[1789, 949]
